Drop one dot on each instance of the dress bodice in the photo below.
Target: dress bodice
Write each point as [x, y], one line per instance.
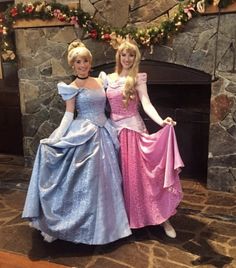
[125, 117]
[89, 103]
[115, 97]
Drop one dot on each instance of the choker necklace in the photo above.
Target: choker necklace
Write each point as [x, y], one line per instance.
[82, 78]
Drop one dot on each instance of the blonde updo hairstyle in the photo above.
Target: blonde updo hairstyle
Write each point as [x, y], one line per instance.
[129, 90]
[77, 48]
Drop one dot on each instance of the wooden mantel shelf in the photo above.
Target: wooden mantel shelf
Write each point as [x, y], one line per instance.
[34, 23]
[215, 10]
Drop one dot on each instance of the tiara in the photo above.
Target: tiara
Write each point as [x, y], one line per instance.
[117, 40]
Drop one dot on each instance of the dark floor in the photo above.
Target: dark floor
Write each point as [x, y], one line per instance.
[205, 224]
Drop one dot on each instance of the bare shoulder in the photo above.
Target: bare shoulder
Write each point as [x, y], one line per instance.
[73, 84]
[95, 82]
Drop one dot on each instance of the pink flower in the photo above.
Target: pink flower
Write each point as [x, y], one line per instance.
[74, 20]
[56, 12]
[187, 10]
[59, 15]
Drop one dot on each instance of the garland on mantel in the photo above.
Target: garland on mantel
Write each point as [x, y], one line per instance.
[147, 37]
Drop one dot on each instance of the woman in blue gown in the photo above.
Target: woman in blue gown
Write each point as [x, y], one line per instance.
[75, 191]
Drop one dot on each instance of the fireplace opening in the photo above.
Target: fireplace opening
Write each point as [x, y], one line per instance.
[184, 94]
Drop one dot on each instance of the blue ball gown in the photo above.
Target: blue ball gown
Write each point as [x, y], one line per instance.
[75, 191]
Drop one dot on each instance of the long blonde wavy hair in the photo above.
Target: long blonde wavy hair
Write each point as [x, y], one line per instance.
[77, 48]
[129, 90]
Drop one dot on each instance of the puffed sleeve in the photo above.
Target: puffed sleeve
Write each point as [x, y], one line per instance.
[141, 78]
[66, 91]
[103, 76]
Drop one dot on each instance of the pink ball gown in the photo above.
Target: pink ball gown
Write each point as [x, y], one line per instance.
[150, 164]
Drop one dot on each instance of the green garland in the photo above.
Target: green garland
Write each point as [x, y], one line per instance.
[47, 11]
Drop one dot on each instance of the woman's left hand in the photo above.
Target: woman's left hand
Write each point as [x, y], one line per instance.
[169, 121]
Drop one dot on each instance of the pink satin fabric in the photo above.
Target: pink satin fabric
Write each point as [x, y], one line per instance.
[150, 168]
[150, 164]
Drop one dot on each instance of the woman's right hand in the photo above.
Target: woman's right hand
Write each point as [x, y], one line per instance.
[169, 121]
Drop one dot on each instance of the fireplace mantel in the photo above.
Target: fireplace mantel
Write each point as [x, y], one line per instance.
[215, 9]
[35, 23]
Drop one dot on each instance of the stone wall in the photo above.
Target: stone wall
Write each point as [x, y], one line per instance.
[43, 64]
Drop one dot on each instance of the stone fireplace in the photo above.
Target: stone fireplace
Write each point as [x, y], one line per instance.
[41, 65]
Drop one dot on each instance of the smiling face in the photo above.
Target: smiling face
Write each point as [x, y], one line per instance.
[127, 58]
[82, 66]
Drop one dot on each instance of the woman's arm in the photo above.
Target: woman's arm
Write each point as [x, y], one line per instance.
[67, 119]
[65, 123]
[147, 105]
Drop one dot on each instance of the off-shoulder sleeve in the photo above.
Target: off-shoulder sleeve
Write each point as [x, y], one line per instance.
[141, 78]
[103, 76]
[66, 91]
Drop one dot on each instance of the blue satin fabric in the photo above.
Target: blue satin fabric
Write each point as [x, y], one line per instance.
[75, 189]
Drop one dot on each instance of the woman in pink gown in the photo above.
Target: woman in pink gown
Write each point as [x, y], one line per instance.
[150, 164]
